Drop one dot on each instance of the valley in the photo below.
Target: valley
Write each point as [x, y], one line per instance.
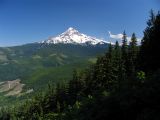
[29, 68]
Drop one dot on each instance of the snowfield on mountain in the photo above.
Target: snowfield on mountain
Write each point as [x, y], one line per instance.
[73, 36]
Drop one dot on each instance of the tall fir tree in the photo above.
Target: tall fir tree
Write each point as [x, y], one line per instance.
[124, 47]
[148, 59]
[110, 51]
[117, 63]
[124, 52]
[117, 54]
[132, 56]
[133, 49]
[109, 70]
[75, 86]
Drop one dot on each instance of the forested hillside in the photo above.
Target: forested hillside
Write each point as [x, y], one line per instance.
[122, 84]
[36, 64]
[19, 61]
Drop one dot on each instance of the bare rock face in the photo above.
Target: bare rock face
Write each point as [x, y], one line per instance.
[11, 88]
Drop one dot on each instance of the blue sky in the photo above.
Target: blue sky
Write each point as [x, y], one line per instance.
[26, 21]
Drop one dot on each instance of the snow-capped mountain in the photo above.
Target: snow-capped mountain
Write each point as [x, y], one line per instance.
[72, 36]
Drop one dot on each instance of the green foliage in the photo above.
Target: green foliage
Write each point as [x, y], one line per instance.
[141, 75]
[21, 61]
[37, 64]
[124, 47]
[148, 59]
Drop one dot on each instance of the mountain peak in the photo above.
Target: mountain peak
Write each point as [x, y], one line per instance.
[71, 29]
[73, 36]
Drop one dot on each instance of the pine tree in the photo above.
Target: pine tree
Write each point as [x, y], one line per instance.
[148, 59]
[110, 51]
[132, 56]
[61, 95]
[75, 86]
[117, 48]
[123, 66]
[117, 54]
[124, 47]
[117, 64]
[133, 50]
[109, 80]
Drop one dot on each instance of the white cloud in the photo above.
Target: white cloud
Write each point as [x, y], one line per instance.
[119, 36]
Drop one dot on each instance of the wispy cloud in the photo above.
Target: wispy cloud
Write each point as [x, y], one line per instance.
[119, 36]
